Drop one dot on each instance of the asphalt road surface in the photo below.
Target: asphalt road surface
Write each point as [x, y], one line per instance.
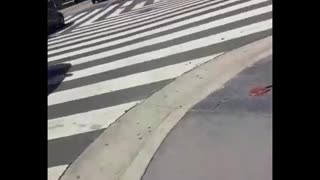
[120, 54]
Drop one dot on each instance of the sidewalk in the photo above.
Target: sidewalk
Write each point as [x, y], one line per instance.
[225, 136]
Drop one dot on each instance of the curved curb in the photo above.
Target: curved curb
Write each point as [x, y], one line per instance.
[124, 150]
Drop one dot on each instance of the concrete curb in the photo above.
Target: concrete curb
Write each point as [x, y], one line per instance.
[124, 150]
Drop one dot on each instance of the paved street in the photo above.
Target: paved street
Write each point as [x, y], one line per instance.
[122, 53]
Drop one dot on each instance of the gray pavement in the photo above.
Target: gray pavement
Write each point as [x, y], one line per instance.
[227, 136]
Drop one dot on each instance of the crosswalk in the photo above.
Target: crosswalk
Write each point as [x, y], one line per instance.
[110, 10]
[120, 60]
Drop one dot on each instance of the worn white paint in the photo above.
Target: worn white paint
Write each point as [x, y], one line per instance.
[90, 32]
[125, 82]
[99, 15]
[87, 121]
[74, 18]
[163, 38]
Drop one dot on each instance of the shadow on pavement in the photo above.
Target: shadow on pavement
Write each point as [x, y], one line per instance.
[56, 74]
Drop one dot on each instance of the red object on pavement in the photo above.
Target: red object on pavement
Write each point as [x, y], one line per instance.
[260, 90]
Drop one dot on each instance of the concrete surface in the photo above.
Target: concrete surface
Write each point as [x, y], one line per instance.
[124, 150]
[227, 136]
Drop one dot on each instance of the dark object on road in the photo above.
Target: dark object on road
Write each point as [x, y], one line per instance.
[55, 20]
[261, 90]
[56, 74]
[58, 69]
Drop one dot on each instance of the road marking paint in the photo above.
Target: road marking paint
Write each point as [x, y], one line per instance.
[115, 13]
[76, 17]
[168, 27]
[100, 32]
[86, 122]
[125, 82]
[163, 38]
[87, 16]
[120, 64]
[97, 16]
[93, 28]
[127, 4]
[133, 13]
[66, 18]
[80, 20]
[179, 48]
[139, 5]
[109, 22]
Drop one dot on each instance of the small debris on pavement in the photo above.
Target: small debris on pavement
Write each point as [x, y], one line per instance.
[260, 90]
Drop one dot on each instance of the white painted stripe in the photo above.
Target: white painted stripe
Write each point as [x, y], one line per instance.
[82, 18]
[139, 5]
[155, 1]
[155, 20]
[116, 12]
[126, 4]
[163, 38]
[87, 16]
[125, 82]
[98, 16]
[59, 32]
[65, 3]
[93, 29]
[133, 13]
[180, 48]
[109, 24]
[76, 17]
[137, 16]
[66, 18]
[55, 172]
[86, 122]
[120, 64]
[172, 26]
